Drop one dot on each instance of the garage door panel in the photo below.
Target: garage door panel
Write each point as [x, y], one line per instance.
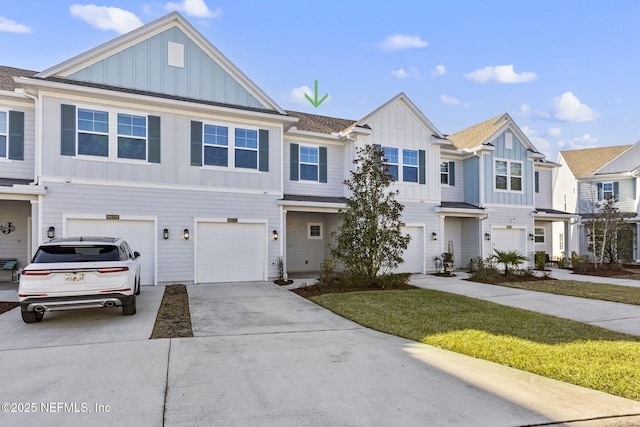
[505, 239]
[138, 233]
[230, 252]
[413, 256]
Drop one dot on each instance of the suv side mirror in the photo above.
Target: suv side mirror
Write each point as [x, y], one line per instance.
[136, 254]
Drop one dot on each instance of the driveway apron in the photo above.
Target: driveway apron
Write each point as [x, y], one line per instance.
[262, 355]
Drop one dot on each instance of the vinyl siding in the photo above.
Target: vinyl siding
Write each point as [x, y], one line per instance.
[21, 169]
[626, 200]
[517, 153]
[544, 198]
[14, 243]
[305, 254]
[548, 240]
[628, 161]
[335, 172]
[174, 209]
[144, 66]
[471, 181]
[453, 193]
[175, 167]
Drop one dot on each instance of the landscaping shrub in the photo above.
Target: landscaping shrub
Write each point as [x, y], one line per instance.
[540, 260]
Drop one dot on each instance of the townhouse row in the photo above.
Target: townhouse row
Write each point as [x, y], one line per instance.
[156, 136]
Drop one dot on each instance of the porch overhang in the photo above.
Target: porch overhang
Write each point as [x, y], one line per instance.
[312, 203]
[553, 215]
[20, 189]
[461, 210]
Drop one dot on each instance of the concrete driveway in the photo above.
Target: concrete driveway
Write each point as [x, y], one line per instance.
[261, 355]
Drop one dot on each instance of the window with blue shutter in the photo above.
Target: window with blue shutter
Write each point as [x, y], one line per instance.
[263, 150]
[154, 139]
[16, 135]
[68, 130]
[196, 143]
[294, 162]
[537, 181]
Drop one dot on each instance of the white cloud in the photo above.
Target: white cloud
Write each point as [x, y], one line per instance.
[540, 143]
[297, 95]
[579, 142]
[555, 132]
[440, 70]
[527, 111]
[197, 8]
[450, 100]
[570, 109]
[106, 18]
[528, 131]
[500, 74]
[401, 41]
[411, 73]
[9, 26]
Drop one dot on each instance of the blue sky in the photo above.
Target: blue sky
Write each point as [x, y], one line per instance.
[565, 70]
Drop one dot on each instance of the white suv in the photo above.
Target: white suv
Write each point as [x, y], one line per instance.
[79, 272]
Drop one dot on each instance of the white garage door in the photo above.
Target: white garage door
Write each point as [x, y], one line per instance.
[231, 252]
[509, 239]
[414, 255]
[138, 233]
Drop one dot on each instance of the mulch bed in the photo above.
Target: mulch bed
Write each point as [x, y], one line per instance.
[174, 317]
[6, 306]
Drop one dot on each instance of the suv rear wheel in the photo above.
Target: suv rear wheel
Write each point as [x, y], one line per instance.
[31, 316]
[129, 309]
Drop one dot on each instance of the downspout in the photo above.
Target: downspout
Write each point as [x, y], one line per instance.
[37, 170]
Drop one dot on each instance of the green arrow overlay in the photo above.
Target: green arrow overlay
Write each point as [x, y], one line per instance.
[315, 102]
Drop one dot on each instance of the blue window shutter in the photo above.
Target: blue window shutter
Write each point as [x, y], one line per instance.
[452, 174]
[322, 153]
[294, 162]
[68, 126]
[600, 195]
[616, 190]
[196, 143]
[154, 139]
[263, 148]
[422, 175]
[16, 135]
[537, 181]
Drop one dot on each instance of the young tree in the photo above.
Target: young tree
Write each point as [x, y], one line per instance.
[610, 235]
[369, 241]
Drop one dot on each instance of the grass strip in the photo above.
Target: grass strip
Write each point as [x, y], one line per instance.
[562, 349]
[601, 291]
[174, 317]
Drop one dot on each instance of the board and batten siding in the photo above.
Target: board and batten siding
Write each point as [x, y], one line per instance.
[471, 180]
[145, 66]
[519, 153]
[174, 209]
[396, 126]
[334, 187]
[175, 159]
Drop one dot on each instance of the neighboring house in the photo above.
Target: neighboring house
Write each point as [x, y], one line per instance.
[157, 137]
[505, 201]
[591, 176]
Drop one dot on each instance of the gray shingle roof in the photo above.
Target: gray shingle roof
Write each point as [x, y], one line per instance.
[8, 73]
[321, 124]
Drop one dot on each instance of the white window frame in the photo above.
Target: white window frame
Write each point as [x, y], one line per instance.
[604, 192]
[416, 166]
[301, 162]
[112, 134]
[5, 134]
[444, 164]
[508, 176]
[390, 163]
[561, 241]
[310, 225]
[231, 147]
[145, 138]
[536, 235]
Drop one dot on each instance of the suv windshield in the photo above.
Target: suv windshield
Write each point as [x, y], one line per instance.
[75, 253]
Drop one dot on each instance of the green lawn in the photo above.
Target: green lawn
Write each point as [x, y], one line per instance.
[604, 292]
[557, 348]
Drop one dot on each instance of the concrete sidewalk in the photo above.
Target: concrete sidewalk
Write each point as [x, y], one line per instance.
[615, 316]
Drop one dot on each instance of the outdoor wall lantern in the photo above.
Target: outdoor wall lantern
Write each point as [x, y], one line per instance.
[531, 236]
[165, 233]
[7, 228]
[51, 232]
[186, 234]
[487, 236]
[275, 235]
[434, 235]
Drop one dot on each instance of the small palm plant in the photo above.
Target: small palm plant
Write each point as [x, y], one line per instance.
[509, 259]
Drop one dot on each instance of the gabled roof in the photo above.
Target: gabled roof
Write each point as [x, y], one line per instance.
[484, 132]
[586, 161]
[71, 67]
[401, 97]
[320, 124]
[8, 73]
